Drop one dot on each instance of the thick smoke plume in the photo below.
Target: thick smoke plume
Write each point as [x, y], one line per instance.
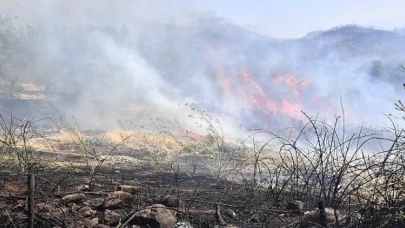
[138, 60]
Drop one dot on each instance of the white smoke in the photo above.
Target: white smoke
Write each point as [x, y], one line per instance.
[163, 63]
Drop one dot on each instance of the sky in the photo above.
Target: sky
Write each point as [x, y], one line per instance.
[279, 19]
[294, 18]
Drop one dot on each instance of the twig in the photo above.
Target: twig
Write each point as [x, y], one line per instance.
[125, 224]
[31, 200]
[13, 197]
[218, 216]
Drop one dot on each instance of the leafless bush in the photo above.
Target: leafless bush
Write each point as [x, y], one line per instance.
[221, 157]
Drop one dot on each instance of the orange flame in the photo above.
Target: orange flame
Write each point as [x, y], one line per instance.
[244, 91]
[295, 85]
[290, 108]
[259, 98]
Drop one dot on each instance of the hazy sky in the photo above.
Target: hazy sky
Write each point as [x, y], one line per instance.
[281, 18]
[294, 18]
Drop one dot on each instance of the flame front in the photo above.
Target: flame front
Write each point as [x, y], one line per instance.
[285, 94]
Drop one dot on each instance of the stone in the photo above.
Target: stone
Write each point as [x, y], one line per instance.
[111, 218]
[117, 199]
[83, 187]
[73, 198]
[101, 226]
[90, 223]
[313, 217]
[43, 207]
[86, 211]
[170, 201]
[127, 188]
[295, 206]
[94, 203]
[155, 216]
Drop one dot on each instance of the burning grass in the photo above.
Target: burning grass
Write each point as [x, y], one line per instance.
[143, 139]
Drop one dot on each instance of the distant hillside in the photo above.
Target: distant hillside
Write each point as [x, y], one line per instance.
[351, 62]
[222, 67]
[185, 47]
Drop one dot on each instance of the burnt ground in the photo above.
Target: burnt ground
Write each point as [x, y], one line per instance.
[198, 194]
[64, 170]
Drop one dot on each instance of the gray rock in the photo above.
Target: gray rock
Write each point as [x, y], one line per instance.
[155, 216]
[94, 203]
[117, 199]
[90, 223]
[73, 198]
[313, 217]
[127, 188]
[295, 206]
[111, 218]
[86, 211]
[170, 201]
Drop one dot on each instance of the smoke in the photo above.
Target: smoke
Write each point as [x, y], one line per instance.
[142, 60]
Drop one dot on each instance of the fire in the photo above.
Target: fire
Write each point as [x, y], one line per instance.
[282, 94]
[223, 80]
[295, 85]
[252, 96]
[258, 98]
[289, 108]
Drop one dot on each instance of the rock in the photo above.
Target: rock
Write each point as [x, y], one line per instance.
[170, 201]
[90, 223]
[83, 187]
[183, 224]
[86, 211]
[94, 203]
[295, 206]
[229, 213]
[73, 207]
[125, 196]
[127, 188]
[101, 226]
[155, 216]
[73, 198]
[117, 199]
[43, 207]
[111, 218]
[312, 217]
[113, 203]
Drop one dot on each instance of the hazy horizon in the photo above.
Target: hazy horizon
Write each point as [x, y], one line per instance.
[279, 19]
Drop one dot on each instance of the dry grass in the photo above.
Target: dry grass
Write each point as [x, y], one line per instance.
[143, 139]
[67, 136]
[41, 144]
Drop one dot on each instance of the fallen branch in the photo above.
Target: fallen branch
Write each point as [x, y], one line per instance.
[13, 197]
[218, 216]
